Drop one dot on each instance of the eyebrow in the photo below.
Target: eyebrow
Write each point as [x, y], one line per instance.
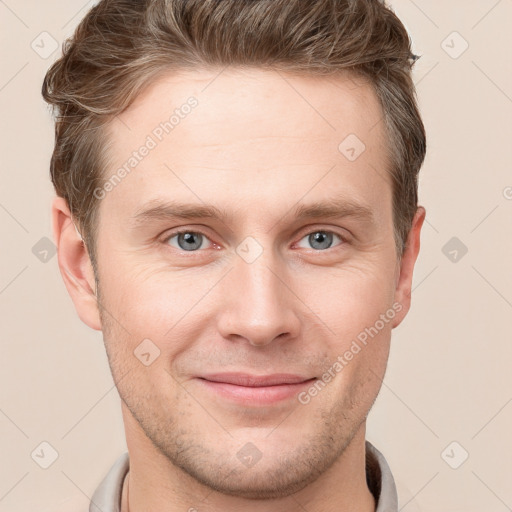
[335, 208]
[157, 210]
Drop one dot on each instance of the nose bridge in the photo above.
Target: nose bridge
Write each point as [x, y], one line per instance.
[258, 306]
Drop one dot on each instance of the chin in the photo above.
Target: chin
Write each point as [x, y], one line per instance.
[266, 484]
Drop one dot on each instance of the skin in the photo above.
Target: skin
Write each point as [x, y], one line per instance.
[257, 148]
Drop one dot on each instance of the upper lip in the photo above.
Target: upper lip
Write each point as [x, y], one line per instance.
[245, 379]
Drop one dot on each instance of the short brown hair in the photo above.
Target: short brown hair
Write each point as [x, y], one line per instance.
[121, 46]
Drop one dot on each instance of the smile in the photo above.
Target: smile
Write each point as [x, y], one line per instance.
[255, 390]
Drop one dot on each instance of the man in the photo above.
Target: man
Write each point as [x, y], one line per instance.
[237, 212]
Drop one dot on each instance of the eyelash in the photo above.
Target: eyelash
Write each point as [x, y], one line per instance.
[173, 234]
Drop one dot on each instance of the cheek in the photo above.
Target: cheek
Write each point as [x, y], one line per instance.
[357, 306]
[166, 307]
[351, 299]
[138, 293]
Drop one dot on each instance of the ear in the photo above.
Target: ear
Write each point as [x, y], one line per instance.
[75, 265]
[406, 267]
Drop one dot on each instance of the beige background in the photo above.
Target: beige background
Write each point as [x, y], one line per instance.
[449, 375]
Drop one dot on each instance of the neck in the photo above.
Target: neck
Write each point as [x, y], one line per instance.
[154, 483]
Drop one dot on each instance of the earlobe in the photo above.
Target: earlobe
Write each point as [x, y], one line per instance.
[74, 264]
[405, 271]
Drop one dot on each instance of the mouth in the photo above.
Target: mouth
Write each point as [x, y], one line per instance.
[256, 390]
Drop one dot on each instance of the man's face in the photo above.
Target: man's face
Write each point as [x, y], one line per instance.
[261, 291]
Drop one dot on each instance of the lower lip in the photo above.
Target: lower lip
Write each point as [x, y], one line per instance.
[263, 395]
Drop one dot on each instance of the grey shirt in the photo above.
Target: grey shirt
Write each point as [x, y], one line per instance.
[107, 497]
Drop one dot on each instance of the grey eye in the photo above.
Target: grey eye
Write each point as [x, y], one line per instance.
[188, 240]
[321, 240]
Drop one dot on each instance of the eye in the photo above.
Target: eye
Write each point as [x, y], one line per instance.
[192, 241]
[321, 240]
[187, 240]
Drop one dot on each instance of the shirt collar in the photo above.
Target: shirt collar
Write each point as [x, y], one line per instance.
[107, 497]
[380, 480]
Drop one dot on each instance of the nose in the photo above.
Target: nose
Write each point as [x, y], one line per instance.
[258, 304]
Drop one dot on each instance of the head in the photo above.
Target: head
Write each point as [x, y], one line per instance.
[287, 142]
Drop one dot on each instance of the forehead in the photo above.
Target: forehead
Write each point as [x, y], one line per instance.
[233, 130]
[278, 101]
